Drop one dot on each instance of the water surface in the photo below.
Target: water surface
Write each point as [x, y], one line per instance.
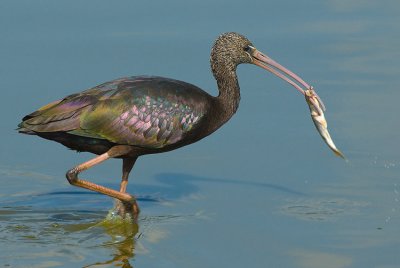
[263, 191]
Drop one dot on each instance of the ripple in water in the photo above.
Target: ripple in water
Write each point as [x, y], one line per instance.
[322, 209]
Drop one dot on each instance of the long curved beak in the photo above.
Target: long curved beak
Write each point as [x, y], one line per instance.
[265, 62]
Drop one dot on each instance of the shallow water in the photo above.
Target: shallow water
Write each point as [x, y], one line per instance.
[263, 191]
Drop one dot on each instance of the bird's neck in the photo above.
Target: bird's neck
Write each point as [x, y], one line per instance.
[227, 101]
[229, 94]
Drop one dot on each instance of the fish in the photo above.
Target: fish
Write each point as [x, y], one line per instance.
[317, 109]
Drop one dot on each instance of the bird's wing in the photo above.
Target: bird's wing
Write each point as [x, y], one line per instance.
[61, 115]
[151, 112]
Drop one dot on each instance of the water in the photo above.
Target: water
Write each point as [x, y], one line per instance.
[263, 191]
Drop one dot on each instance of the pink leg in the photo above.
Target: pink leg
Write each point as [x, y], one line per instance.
[127, 166]
[126, 199]
[121, 206]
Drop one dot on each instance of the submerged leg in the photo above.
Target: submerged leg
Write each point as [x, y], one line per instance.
[121, 206]
[73, 179]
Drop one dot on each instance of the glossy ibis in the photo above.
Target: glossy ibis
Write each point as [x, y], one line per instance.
[133, 116]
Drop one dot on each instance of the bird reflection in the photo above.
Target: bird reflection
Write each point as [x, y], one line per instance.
[122, 242]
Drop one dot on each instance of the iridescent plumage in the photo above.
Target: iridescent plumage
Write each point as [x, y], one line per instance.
[148, 112]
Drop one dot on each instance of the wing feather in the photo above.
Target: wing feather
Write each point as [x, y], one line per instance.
[150, 112]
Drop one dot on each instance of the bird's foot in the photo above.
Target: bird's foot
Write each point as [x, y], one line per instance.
[127, 210]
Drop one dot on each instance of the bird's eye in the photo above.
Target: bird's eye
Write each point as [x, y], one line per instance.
[247, 48]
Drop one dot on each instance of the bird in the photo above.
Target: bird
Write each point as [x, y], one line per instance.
[138, 115]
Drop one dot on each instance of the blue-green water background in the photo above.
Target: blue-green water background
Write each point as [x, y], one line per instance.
[263, 191]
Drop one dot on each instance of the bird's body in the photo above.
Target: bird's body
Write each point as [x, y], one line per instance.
[150, 114]
[129, 117]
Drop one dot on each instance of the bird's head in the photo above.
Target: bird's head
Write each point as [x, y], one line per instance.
[232, 49]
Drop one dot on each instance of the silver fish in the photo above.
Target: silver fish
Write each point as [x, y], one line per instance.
[317, 109]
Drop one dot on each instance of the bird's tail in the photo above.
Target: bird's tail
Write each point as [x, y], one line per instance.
[24, 130]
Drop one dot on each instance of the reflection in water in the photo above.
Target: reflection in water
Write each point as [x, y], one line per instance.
[122, 234]
[76, 234]
[69, 230]
[86, 238]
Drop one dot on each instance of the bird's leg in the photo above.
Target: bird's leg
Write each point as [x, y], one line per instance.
[127, 166]
[123, 207]
[73, 179]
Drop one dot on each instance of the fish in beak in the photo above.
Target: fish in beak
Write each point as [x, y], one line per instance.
[317, 115]
[314, 102]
